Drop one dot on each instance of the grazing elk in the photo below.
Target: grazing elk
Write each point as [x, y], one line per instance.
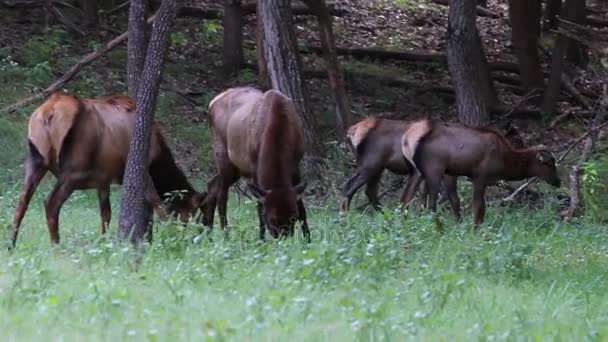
[258, 136]
[377, 145]
[483, 155]
[84, 143]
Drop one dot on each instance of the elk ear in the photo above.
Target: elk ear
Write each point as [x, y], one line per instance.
[299, 189]
[544, 157]
[256, 191]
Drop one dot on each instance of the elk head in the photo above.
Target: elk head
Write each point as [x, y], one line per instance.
[280, 207]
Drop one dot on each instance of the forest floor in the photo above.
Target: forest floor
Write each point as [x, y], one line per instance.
[388, 275]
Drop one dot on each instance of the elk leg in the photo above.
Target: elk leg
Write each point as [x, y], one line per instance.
[413, 182]
[62, 190]
[451, 190]
[262, 223]
[103, 195]
[212, 190]
[433, 184]
[353, 185]
[371, 190]
[229, 176]
[302, 219]
[479, 202]
[152, 198]
[34, 171]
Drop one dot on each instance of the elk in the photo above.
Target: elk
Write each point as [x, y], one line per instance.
[84, 143]
[258, 136]
[481, 154]
[377, 145]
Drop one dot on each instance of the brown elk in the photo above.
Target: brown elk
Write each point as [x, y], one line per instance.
[258, 136]
[84, 143]
[377, 145]
[483, 155]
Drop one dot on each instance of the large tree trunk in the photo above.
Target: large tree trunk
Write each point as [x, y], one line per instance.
[135, 214]
[467, 64]
[551, 95]
[553, 8]
[525, 31]
[89, 11]
[233, 37]
[279, 53]
[136, 44]
[576, 52]
[343, 114]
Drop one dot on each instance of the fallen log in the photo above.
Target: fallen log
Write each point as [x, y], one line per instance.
[409, 56]
[247, 9]
[481, 11]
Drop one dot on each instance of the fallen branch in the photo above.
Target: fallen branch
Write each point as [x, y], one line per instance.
[481, 11]
[575, 171]
[409, 56]
[67, 22]
[571, 89]
[394, 186]
[73, 71]
[596, 22]
[247, 9]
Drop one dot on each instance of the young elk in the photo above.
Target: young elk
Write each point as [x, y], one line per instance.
[377, 144]
[483, 155]
[258, 136]
[84, 143]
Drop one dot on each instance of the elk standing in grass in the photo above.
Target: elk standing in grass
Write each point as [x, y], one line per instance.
[377, 145]
[258, 136]
[84, 143]
[483, 155]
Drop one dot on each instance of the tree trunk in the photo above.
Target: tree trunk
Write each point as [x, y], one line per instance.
[233, 37]
[263, 77]
[525, 32]
[89, 12]
[551, 95]
[553, 8]
[336, 81]
[467, 64]
[136, 44]
[284, 67]
[135, 213]
[576, 52]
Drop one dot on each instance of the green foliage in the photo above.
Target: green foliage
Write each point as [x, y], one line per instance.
[595, 189]
[247, 75]
[40, 49]
[39, 75]
[210, 32]
[178, 39]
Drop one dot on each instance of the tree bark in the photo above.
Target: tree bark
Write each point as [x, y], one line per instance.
[576, 52]
[136, 44]
[135, 213]
[336, 81]
[233, 37]
[284, 68]
[89, 11]
[467, 64]
[553, 8]
[525, 31]
[551, 95]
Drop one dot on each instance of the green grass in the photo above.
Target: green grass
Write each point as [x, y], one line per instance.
[386, 276]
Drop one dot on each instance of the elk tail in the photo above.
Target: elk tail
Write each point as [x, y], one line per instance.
[412, 137]
[357, 133]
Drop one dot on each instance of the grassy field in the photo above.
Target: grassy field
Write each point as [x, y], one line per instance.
[386, 276]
